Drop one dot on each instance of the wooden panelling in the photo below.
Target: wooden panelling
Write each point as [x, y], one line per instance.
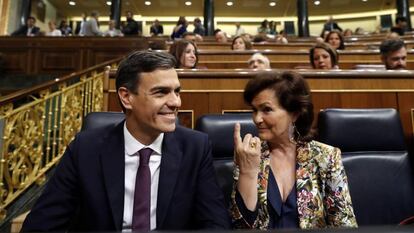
[46, 55]
[16, 61]
[63, 60]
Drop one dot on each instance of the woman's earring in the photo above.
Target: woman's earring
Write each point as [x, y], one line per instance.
[292, 131]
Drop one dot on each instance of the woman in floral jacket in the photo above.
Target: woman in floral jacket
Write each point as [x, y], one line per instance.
[282, 178]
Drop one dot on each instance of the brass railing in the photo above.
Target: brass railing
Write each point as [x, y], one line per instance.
[34, 135]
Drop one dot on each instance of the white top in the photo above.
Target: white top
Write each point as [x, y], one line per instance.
[55, 32]
[132, 146]
[239, 31]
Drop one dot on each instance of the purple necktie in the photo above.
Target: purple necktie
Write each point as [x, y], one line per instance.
[142, 193]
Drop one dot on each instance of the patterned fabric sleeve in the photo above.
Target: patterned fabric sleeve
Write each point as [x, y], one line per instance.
[237, 218]
[262, 220]
[337, 200]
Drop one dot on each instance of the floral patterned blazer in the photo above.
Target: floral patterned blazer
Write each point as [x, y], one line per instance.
[323, 198]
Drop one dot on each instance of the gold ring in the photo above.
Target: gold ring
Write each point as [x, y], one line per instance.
[253, 144]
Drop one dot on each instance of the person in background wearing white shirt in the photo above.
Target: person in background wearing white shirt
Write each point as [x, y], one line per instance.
[52, 29]
[112, 31]
[239, 29]
[91, 27]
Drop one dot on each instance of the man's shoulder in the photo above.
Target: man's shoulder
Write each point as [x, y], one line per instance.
[98, 136]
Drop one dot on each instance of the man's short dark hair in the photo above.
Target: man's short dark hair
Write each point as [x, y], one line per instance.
[391, 45]
[400, 19]
[130, 69]
[31, 17]
[197, 20]
[216, 31]
[188, 34]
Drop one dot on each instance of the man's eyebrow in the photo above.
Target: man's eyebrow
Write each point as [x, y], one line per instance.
[164, 88]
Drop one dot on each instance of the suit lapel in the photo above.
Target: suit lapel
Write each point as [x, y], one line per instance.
[169, 171]
[113, 168]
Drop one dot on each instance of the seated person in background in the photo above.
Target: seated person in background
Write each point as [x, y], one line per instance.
[157, 45]
[185, 52]
[282, 37]
[29, 29]
[331, 25]
[65, 28]
[336, 40]
[258, 61]
[359, 31]
[198, 27]
[348, 32]
[180, 28]
[394, 54]
[220, 36]
[112, 31]
[283, 178]
[191, 36]
[156, 28]
[53, 31]
[260, 38]
[241, 43]
[400, 25]
[323, 56]
[143, 174]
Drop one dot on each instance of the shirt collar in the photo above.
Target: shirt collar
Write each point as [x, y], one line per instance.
[132, 145]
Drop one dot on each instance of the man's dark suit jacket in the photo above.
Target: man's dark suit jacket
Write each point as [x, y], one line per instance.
[86, 192]
[22, 31]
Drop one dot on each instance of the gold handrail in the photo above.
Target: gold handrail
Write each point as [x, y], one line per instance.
[35, 134]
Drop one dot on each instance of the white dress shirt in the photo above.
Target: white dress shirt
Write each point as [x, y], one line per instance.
[132, 146]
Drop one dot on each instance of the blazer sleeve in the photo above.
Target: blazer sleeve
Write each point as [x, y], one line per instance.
[210, 206]
[242, 219]
[337, 198]
[58, 203]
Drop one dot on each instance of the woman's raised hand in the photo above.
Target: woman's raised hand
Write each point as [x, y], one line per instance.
[246, 152]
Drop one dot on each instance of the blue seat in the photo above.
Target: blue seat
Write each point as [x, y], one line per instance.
[220, 128]
[96, 120]
[356, 130]
[376, 160]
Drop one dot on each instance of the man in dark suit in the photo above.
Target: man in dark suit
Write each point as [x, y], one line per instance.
[131, 28]
[331, 25]
[400, 25]
[94, 187]
[29, 29]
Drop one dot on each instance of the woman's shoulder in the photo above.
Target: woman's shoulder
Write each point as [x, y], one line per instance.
[315, 143]
[319, 148]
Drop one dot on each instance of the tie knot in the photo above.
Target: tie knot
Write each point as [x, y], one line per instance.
[144, 155]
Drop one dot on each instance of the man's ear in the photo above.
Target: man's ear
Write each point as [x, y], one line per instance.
[124, 96]
[383, 59]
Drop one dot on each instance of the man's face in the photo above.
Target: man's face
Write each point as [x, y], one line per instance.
[153, 110]
[396, 60]
[30, 22]
[221, 37]
[129, 15]
[258, 62]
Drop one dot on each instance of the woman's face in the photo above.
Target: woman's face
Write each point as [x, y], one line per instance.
[322, 59]
[271, 120]
[188, 58]
[334, 40]
[239, 44]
